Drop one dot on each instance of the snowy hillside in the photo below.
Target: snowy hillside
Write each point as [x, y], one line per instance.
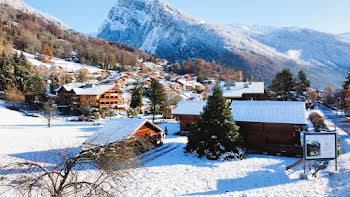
[317, 48]
[159, 28]
[67, 66]
[18, 4]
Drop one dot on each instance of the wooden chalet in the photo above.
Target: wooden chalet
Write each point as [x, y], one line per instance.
[115, 79]
[75, 95]
[66, 97]
[188, 112]
[271, 127]
[124, 129]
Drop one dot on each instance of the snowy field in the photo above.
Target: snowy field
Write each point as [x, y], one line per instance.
[175, 173]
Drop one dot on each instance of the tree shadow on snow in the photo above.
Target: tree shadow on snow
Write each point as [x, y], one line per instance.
[53, 156]
[271, 175]
[49, 159]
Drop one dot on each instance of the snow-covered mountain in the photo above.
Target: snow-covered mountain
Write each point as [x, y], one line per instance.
[317, 48]
[18, 4]
[159, 28]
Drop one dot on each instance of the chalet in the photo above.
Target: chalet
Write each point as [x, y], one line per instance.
[124, 129]
[271, 126]
[115, 79]
[75, 95]
[169, 90]
[267, 126]
[244, 91]
[185, 84]
[187, 112]
[66, 97]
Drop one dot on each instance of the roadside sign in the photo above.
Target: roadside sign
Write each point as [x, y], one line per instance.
[320, 146]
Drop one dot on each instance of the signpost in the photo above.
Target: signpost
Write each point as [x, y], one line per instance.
[320, 147]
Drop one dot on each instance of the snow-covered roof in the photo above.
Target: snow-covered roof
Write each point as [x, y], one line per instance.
[116, 130]
[244, 88]
[185, 83]
[112, 78]
[285, 112]
[94, 90]
[186, 94]
[71, 86]
[189, 107]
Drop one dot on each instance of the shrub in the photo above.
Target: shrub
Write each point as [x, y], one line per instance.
[131, 113]
[317, 121]
[96, 115]
[103, 113]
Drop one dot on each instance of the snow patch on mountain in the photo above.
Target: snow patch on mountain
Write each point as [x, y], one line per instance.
[294, 54]
[20, 5]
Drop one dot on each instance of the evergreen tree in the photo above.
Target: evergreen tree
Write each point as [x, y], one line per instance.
[347, 82]
[157, 96]
[21, 71]
[283, 83]
[302, 83]
[136, 98]
[35, 87]
[215, 135]
[6, 71]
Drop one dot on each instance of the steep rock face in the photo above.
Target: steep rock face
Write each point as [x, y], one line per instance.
[159, 28]
[18, 4]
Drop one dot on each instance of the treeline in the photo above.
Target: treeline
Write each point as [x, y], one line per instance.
[284, 82]
[29, 33]
[204, 69]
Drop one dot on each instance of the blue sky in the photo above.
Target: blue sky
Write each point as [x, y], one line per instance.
[323, 15]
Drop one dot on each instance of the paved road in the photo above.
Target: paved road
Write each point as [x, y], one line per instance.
[341, 122]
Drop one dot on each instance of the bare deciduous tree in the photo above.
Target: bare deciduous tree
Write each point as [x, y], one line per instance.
[95, 171]
[49, 107]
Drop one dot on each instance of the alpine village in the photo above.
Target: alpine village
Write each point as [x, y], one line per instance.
[159, 103]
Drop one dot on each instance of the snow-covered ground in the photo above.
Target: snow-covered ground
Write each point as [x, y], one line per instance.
[175, 173]
[65, 65]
